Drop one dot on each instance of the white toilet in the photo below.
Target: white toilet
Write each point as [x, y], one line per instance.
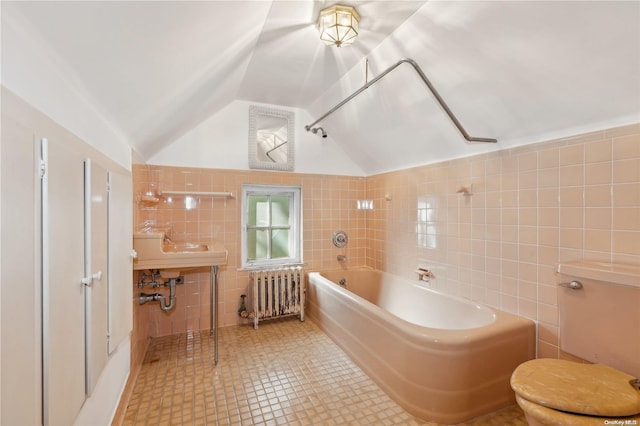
[600, 323]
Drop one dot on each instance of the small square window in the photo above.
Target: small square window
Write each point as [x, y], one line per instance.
[271, 225]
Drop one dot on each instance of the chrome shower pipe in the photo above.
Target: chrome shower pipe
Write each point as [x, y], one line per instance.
[426, 81]
[315, 131]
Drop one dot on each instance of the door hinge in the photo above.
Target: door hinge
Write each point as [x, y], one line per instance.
[43, 168]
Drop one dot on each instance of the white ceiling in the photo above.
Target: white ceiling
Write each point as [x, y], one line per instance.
[515, 71]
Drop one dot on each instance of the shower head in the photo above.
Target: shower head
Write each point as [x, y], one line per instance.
[315, 131]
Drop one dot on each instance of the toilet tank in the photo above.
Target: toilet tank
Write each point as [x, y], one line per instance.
[600, 322]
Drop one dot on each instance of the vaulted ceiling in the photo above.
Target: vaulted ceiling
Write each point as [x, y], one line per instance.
[515, 71]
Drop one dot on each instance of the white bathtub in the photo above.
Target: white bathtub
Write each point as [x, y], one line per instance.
[441, 358]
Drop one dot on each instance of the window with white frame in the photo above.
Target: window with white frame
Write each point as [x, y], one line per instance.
[271, 225]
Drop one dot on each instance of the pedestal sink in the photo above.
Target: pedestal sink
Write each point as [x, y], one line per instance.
[154, 251]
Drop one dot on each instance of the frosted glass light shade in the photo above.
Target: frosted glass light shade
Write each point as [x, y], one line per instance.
[338, 25]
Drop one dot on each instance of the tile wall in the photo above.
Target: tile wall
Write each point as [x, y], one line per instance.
[329, 205]
[531, 207]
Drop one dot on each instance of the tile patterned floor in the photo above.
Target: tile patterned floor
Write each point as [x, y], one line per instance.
[286, 373]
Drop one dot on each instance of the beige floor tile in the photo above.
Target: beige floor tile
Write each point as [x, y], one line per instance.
[285, 373]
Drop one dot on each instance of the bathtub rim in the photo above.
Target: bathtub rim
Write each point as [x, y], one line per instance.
[503, 321]
[422, 287]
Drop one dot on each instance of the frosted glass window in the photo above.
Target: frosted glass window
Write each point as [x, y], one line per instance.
[280, 209]
[258, 210]
[271, 231]
[280, 244]
[257, 243]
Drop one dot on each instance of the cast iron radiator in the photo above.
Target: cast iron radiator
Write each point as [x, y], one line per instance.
[277, 293]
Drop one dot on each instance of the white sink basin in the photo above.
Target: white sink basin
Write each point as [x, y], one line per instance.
[154, 253]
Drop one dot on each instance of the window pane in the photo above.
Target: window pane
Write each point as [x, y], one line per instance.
[257, 244]
[280, 244]
[271, 225]
[280, 210]
[258, 210]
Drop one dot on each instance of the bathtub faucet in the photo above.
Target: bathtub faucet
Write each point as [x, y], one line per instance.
[342, 258]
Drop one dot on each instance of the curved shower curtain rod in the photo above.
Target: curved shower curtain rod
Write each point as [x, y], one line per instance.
[429, 85]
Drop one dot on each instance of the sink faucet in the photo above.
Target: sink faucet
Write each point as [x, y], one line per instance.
[342, 258]
[166, 239]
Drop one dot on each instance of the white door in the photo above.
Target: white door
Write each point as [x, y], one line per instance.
[96, 271]
[63, 322]
[120, 260]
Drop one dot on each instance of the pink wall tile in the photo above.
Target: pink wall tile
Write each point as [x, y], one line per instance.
[626, 171]
[571, 155]
[329, 204]
[548, 333]
[569, 199]
[626, 147]
[598, 151]
[546, 350]
[532, 207]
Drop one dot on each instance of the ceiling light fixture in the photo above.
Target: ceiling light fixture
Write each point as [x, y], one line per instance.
[338, 25]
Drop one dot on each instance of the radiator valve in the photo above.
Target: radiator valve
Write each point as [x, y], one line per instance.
[242, 310]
